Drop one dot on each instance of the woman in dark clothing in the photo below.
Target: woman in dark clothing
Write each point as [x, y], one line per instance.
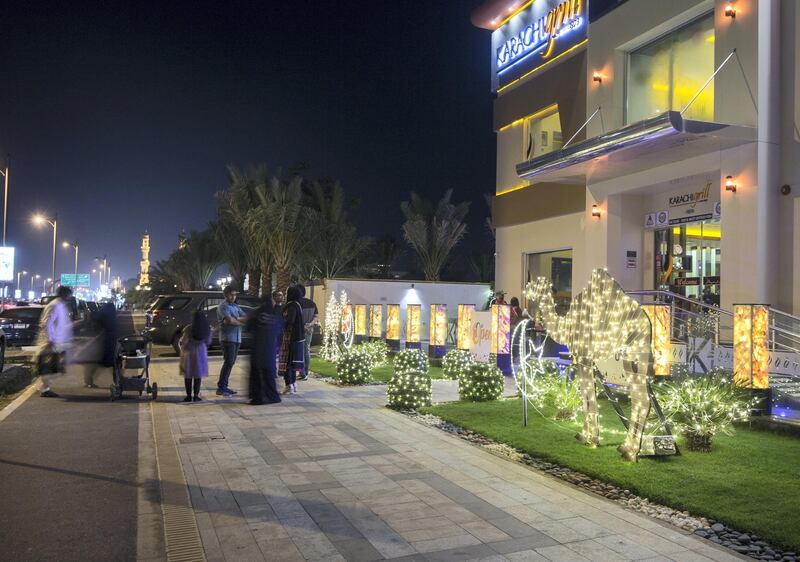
[293, 341]
[105, 320]
[266, 326]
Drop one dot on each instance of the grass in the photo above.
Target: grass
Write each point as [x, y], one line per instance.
[382, 373]
[750, 481]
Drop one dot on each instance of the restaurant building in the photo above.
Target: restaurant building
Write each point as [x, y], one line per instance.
[657, 139]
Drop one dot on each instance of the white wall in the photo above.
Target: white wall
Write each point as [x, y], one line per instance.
[383, 292]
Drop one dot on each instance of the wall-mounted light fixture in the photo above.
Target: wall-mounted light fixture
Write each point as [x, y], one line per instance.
[597, 77]
[730, 185]
[730, 11]
[596, 211]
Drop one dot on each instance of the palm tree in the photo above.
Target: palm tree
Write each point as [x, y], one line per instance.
[190, 268]
[433, 232]
[387, 250]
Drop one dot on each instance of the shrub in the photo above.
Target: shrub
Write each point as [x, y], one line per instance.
[701, 407]
[409, 390]
[481, 382]
[455, 361]
[377, 351]
[563, 394]
[410, 360]
[353, 367]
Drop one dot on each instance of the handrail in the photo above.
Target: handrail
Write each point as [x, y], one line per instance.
[676, 296]
[782, 313]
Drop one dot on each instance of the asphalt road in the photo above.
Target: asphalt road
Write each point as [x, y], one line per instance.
[68, 468]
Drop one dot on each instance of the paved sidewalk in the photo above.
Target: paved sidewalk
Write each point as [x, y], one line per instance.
[330, 475]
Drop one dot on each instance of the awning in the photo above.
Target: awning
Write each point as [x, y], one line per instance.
[638, 147]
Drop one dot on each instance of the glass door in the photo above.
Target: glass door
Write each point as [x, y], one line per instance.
[688, 260]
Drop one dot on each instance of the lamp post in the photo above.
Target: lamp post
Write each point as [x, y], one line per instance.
[45, 282]
[20, 274]
[33, 278]
[41, 219]
[5, 173]
[75, 247]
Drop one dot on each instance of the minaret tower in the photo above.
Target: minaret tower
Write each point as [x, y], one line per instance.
[144, 272]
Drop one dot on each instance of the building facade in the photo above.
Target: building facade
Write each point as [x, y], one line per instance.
[656, 139]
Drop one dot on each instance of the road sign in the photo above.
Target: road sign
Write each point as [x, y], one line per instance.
[6, 263]
[72, 280]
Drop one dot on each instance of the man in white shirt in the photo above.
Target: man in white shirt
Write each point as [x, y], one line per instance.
[55, 333]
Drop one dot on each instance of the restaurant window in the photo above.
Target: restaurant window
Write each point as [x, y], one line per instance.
[665, 74]
[557, 267]
[542, 133]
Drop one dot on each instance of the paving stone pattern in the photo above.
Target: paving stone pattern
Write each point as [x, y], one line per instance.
[330, 474]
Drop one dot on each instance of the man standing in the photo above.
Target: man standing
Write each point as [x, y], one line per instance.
[310, 319]
[231, 320]
[55, 334]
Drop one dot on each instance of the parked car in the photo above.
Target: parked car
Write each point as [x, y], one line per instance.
[172, 313]
[21, 325]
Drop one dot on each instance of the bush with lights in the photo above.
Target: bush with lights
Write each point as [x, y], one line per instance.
[377, 351]
[409, 390]
[455, 361]
[563, 394]
[353, 367]
[411, 360]
[701, 407]
[481, 382]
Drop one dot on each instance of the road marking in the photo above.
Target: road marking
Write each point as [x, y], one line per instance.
[34, 387]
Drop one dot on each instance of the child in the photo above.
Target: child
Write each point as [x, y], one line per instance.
[194, 355]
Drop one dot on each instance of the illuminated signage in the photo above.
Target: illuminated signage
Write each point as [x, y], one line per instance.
[535, 36]
[6, 263]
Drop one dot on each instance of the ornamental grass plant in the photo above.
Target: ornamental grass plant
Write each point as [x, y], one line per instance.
[454, 363]
[353, 367]
[409, 390]
[563, 394]
[481, 382]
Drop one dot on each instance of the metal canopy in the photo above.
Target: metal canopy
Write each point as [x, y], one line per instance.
[638, 147]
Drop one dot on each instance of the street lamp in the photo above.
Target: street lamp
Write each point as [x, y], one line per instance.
[40, 220]
[45, 282]
[19, 274]
[75, 246]
[5, 202]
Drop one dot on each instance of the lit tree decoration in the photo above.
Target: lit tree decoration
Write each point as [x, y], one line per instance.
[409, 390]
[455, 361]
[410, 360]
[699, 408]
[602, 322]
[481, 382]
[330, 332]
[353, 367]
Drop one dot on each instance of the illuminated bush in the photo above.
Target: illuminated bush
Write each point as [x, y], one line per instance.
[455, 361]
[353, 367]
[563, 393]
[701, 407]
[410, 360]
[377, 351]
[409, 390]
[481, 382]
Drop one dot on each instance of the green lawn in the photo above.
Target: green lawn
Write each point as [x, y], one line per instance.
[750, 481]
[382, 373]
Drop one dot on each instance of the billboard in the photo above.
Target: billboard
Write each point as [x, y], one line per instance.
[73, 280]
[6, 263]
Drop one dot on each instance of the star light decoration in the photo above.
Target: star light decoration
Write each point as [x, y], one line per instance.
[481, 382]
[333, 323]
[602, 323]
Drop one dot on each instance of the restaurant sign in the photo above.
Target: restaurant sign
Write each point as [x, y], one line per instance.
[690, 204]
[539, 33]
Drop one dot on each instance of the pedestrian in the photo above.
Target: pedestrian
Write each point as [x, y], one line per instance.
[267, 328]
[517, 314]
[310, 319]
[55, 335]
[278, 298]
[194, 355]
[105, 319]
[293, 341]
[231, 319]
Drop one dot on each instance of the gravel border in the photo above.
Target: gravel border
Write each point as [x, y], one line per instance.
[740, 542]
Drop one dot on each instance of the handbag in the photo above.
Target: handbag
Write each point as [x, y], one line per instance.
[49, 361]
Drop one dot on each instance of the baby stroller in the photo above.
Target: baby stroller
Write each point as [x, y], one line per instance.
[133, 358]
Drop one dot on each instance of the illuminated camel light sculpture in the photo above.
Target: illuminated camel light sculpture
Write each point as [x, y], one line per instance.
[602, 323]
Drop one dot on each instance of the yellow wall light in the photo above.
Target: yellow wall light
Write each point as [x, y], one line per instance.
[750, 345]
[464, 327]
[375, 321]
[660, 317]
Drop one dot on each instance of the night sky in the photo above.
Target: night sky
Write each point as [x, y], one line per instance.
[122, 116]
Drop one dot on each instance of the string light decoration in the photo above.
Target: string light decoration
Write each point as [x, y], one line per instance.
[481, 382]
[376, 321]
[353, 367]
[701, 407]
[455, 362]
[393, 326]
[376, 351]
[359, 322]
[332, 327]
[409, 390]
[660, 317]
[413, 325]
[501, 336]
[750, 345]
[464, 326]
[602, 323]
[410, 360]
[438, 330]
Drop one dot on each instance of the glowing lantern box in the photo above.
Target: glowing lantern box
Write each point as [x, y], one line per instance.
[375, 321]
[347, 319]
[750, 345]
[413, 326]
[393, 326]
[360, 322]
[501, 336]
[464, 336]
[438, 329]
[660, 317]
